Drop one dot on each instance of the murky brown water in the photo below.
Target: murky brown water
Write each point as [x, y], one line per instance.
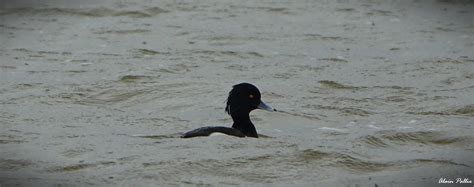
[370, 92]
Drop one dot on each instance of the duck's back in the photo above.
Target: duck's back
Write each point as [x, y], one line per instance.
[206, 131]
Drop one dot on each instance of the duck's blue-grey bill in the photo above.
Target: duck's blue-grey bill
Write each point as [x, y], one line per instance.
[264, 106]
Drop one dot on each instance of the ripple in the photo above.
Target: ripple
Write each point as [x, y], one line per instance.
[467, 110]
[130, 31]
[137, 78]
[344, 110]
[356, 163]
[82, 166]
[95, 12]
[112, 96]
[159, 137]
[319, 37]
[148, 52]
[310, 154]
[238, 54]
[10, 140]
[341, 160]
[10, 164]
[334, 59]
[374, 141]
[334, 85]
[389, 138]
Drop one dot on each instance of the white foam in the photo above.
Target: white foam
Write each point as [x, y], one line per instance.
[373, 126]
[331, 129]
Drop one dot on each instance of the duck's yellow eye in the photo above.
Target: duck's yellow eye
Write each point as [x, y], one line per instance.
[251, 96]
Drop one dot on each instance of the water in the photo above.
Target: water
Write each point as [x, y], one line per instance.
[369, 92]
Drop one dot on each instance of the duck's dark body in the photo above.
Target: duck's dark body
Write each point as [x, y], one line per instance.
[243, 98]
[206, 131]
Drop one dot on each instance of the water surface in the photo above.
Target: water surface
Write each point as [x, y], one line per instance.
[372, 93]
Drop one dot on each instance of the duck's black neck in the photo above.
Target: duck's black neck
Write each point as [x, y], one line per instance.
[243, 124]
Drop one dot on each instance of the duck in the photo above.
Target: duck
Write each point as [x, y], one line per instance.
[243, 98]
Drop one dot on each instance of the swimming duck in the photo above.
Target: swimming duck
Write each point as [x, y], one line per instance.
[242, 99]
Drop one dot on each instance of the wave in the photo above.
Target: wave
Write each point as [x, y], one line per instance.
[389, 138]
[94, 12]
